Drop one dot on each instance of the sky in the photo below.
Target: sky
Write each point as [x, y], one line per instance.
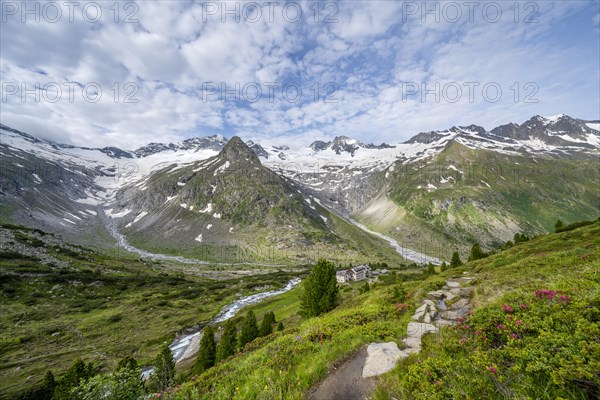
[125, 74]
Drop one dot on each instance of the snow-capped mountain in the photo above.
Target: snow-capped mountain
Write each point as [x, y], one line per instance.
[341, 144]
[77, 190]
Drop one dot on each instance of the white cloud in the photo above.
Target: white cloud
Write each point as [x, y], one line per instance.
[367, 54]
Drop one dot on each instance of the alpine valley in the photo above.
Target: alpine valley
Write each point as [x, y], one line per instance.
[138, 261]
[213, 199]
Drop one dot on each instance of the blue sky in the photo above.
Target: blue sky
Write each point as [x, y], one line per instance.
[361, 71]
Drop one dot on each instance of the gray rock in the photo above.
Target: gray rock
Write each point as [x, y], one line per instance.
[381, 358]
[453, 284]
[418, 329]
[430, 303]
[438, 294]
[460, 304]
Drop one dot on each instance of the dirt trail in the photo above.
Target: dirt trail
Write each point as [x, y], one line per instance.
[440, 308]
[346, 381]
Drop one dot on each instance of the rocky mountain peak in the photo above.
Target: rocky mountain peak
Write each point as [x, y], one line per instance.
[236, 150]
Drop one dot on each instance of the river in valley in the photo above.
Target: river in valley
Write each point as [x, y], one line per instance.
[184, 346]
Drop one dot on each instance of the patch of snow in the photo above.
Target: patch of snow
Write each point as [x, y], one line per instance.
[595, 126]
[180, 183]
[36, 178]
[486, 184]
[199, 238]
[207, 209]
[217, 215]
[169, 198]
[323, 218]
[231, 230]
[69, 221]
[222, 168]
[140, 216]
[208, 226]
[121, 214]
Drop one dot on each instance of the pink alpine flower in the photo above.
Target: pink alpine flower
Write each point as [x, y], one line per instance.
[500, 326]
[492, 369]
[507, 308]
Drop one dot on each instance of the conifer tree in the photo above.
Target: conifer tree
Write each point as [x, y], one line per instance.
[249, 330]
[456, 261]
[208, 351]
[227, 344]
[320, 292]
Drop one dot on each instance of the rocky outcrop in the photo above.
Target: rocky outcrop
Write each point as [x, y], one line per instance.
[381, 358]
[443, 307]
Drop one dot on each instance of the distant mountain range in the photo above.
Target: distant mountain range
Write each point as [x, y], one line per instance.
[436, 192]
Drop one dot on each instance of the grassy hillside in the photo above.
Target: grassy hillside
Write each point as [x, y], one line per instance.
[535, 331]
[464, 195]
[554, 356]
[60, 301]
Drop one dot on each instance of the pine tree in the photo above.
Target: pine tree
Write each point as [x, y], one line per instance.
[444, 267]
[320, 292]
[249, 330]
[280, 327]
[266, 325]
[456, 261]
[559, 224]
[76, 373]
[48, 386]
[430, 269]
[164, 370]
[476, 253]
[127, 363]
[208, 351]
[227, 344]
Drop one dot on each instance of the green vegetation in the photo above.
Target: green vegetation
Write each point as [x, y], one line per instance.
[99, 306]
[208, 351]
[266, 325]
[249, 330]
[535, 332]
[226, 347]
[320, 290]
[455, 262]
[123, 384]
[164, 371]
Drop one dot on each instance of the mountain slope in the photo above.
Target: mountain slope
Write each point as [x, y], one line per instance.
[225, 207]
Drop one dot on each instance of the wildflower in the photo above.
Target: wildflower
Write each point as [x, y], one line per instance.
[519, 322]
[513, 336]
[492, 369]
[462, 340]
[523, 306]
[510, 317]
[478, 333]
[507, 308]
[500, 326]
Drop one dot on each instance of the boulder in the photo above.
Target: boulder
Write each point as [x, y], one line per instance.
[430, 302]
[452, 284]
[438, 294]
[460, 304]
[381, 358]
[418, 329]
